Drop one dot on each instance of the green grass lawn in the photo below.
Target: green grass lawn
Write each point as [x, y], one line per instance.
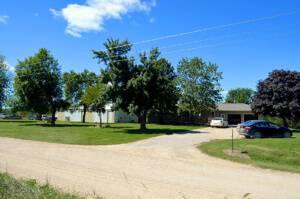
[277, 153]
[10, 188]
[84, 134]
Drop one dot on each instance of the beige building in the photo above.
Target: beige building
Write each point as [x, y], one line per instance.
[76, 115]
[235, 113]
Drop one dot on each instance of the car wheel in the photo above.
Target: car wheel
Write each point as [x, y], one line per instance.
[286, 134]
[257, 135]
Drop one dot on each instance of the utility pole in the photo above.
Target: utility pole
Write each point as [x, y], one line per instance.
[231, 140]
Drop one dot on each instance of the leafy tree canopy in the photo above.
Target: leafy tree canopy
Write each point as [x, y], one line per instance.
[167, 93]
[279, 95]
[199, 84]
[240, 95]
[75, 85]
[4, 80]
[38, 84]
[95, 99]
[137, 88]
[119, 70]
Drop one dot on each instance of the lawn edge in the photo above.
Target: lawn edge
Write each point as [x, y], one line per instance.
[227, 158]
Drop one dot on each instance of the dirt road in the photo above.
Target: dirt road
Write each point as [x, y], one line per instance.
[162, 167]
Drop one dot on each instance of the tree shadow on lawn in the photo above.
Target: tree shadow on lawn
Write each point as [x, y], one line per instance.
[96, 125]
[167, 131]
[58, 125]
[127, 129]
[17, 121]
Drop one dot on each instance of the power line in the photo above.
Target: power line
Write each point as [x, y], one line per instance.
[202, 30]
[168, 52]
[249, 21]
[166, 47]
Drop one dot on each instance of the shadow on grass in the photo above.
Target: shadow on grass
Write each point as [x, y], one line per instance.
[296, 130]
[39, 124]
[57, 125]
[167, 131]
[17, 121]
[115, 129]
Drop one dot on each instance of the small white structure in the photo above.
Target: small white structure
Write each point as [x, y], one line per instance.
[109, 116]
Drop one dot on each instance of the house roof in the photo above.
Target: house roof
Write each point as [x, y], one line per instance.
[234, 107]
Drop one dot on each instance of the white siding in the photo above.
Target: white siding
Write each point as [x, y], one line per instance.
[74, 116]
[107, 117]
[121, 116]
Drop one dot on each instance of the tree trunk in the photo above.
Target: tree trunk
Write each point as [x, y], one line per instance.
[285, 122]
[100, 119]
[142, 120]
[84, 113]
[53, 117]
[161, 117]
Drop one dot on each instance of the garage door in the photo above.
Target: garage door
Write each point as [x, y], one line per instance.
[250, 117]
[234, 119]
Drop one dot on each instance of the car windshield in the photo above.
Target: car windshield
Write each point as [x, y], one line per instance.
[217, 118]
[273, 125]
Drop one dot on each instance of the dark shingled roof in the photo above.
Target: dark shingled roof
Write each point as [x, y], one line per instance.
[234, 107]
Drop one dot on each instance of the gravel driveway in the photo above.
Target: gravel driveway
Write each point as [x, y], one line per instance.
[162, 167]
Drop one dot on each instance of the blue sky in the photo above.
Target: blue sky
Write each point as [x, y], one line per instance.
[71, 29]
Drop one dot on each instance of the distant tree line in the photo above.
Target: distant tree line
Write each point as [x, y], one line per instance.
[140, 86]
[240, 95]
[151, 85]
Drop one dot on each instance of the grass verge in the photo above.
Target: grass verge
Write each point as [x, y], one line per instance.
[11, 188]
[85, 134]
[278, 154]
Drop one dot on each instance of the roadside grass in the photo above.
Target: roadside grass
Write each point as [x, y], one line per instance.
[11, 188]
[85, 134]
[277, 153]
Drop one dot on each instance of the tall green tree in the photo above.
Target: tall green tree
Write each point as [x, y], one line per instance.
[240, 95]
[38, 84]
[119, 70]
[279, 96]
[153, 87]
[136, 88]
[199, 84]
[95, 99]
[4, 80]
[167, 93]
[75, 85]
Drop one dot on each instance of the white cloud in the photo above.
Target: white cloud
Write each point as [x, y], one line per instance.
[3, 19]
[92, 15]
[55, 12]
